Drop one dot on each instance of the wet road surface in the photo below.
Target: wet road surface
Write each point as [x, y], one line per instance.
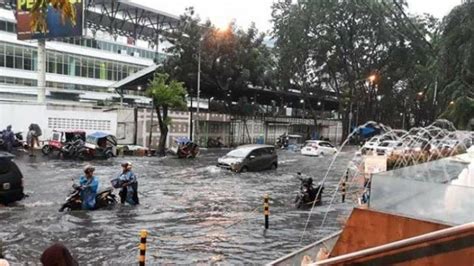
[194, 212]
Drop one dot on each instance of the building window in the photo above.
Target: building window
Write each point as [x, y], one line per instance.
[2, 54]
[24, 57]
[9, 51]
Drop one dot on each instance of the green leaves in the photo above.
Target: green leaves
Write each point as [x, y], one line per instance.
[460, 112]
[165, 92]
[456, 58]
[231, 58]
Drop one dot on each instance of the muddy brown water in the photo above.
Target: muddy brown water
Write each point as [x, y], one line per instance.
[194, 212]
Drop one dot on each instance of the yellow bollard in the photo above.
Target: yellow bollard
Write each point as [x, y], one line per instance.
[142, 247]
[266, 210]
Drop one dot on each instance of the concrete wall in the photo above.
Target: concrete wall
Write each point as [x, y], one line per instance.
[49, 117]
[132, 126]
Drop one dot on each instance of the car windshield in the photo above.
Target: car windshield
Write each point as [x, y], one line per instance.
[238, 153]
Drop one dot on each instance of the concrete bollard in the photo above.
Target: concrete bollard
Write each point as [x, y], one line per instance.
[266, 210]
[142, 247]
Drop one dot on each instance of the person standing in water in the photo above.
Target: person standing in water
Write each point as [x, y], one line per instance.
[129, 190]
[89, 185]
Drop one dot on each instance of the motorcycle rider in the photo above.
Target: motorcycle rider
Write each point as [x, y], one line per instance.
[8, 138]
[307, 185]
[89, 185]
[310, 189]
[129, 191]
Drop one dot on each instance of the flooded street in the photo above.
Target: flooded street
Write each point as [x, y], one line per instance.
[194, 212]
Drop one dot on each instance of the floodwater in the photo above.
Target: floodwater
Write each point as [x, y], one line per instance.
[194, 212]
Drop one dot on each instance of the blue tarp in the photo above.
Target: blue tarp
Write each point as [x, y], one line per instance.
[182, 140]
[99, 134]
[366, 131]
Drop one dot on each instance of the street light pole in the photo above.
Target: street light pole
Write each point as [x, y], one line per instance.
[198, 95]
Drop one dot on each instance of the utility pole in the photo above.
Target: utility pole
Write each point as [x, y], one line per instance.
[191, 124]
[41, 71]
[151, 124]
[196, 139]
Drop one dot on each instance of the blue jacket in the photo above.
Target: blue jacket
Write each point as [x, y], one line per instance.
[130, 178]
[89, 192]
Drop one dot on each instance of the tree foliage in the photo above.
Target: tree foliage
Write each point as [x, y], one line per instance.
[231, 58]
[165, 94]
[460, 112]
[456, 65]
[337, 45]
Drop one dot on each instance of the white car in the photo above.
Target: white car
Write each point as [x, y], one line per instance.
[317, 148]
[388, 147]
[371, 144]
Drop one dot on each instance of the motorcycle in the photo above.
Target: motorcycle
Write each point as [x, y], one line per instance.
[75, 150]
[215, 143]
[308, 194]
[282, 142]
[104, 199]
[186, 148]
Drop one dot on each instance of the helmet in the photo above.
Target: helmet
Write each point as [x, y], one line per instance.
[127, 165]
[89, 169]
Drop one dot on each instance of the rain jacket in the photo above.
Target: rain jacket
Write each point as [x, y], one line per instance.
[89, 192]
[9, 138]
[129, 193]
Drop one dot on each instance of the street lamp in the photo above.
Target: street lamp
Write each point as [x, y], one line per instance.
[372, 78]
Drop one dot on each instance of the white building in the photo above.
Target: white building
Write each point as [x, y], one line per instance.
[81, 69]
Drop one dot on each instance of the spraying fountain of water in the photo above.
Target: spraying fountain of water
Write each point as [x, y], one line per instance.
[416, 146]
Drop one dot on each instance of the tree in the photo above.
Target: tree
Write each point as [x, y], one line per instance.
[337, 45]
[231, 59]
[456, 65]
[460, 113]
[165, 94]
[38, 13]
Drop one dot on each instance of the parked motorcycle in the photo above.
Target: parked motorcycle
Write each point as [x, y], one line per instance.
[215, 143]
[74, 150]
[186, 148]
[308, 194]
[104, 199]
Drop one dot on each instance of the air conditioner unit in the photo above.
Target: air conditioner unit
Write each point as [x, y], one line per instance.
[122, 51]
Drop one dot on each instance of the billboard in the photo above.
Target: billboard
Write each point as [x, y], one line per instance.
[56, 26]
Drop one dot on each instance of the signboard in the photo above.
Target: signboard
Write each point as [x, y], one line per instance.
[56, 26]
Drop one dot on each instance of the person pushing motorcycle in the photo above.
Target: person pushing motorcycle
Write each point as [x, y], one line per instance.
[129, 185]
[88, 184]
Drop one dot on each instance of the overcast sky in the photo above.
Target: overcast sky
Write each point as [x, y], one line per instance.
[259, 11]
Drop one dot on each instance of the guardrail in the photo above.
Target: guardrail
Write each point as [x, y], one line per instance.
[451, 231]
